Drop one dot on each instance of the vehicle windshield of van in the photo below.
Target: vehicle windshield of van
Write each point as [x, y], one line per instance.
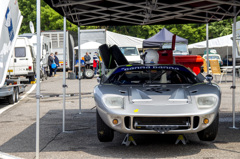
[178, 47]
[129, 51]
[20, 52]
[212, 57]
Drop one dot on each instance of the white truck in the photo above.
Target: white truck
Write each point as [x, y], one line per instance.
[10, 23]
[56, 36]
[132, 54]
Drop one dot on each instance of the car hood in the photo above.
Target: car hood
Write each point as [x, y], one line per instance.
[166, 94]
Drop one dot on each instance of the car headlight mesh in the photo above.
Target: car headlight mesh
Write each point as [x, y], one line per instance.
[114, 101]
[206, 101]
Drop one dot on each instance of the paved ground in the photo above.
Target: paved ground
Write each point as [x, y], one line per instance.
[17, 127]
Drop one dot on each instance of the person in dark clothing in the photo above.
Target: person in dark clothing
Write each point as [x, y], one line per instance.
[57, 62]
[50, 62]
[87, 59]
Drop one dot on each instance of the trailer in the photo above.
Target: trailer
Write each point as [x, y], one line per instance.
[9, 27]
[56, 36]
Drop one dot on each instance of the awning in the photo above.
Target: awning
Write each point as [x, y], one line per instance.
[143, 12]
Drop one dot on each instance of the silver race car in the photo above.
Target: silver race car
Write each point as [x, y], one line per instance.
[148, 99]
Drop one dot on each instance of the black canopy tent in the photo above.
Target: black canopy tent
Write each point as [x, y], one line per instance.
[143, 12]
[137, 12]
[163, 36]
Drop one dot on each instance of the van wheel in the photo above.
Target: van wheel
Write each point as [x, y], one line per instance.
[107, 57]
[88, 73]
[118, 55]
[105, 134]
[11, 98]
[210, 133]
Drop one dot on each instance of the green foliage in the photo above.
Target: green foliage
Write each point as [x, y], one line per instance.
[51, 20]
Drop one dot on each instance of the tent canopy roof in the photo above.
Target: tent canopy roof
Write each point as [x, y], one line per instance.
[163, 36]
[216, 42]
[143, 12]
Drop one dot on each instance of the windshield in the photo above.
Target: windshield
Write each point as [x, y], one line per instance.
[129, 51]
[178, 47]
[152, 76]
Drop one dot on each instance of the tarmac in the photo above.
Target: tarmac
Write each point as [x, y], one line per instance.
[18, 128]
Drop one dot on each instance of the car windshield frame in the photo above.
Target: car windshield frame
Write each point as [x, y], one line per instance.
[151, 76]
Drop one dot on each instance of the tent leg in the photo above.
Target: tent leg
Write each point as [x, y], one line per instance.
[234, 64]
[79, 69]
[64, 72]
[207, 48]
[38, 77]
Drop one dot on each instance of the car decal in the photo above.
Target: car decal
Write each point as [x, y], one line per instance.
[158, 67]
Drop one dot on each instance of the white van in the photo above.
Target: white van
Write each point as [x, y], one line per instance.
[23, 60]
[131, 53]
[46, 49]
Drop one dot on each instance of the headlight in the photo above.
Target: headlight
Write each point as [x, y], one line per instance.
[206, 101]
[114, 101]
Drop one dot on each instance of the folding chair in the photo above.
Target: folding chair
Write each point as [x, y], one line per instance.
[205, 67]
[216, 70]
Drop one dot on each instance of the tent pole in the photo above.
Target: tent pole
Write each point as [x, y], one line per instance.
[227, 55]
[79, 68]
[38, 76]
[234, 64]
[64, 71]
[73, 68]
[207, 48]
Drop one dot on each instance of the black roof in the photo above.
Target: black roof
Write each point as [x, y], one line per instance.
[143, 12]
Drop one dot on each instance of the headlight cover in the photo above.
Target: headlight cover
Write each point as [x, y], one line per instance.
[114, 101]
[206, 101]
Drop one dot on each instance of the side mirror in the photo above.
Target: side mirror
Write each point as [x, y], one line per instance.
[209, 78]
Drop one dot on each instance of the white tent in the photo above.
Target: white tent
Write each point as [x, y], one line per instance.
[216, 42]
[123, 40]
[89, 45]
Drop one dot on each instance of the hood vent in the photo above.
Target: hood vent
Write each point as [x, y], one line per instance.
[138, 96]
[180, 95]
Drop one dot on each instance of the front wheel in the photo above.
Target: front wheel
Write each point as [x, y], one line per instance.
[210, 133]
[105, 134]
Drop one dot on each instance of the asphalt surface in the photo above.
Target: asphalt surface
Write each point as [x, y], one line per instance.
[18, 128]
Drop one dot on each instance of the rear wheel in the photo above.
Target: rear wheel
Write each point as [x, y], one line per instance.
[105, 134]
[88, 73]
[210, 133]
[12, 98]
[16, 95]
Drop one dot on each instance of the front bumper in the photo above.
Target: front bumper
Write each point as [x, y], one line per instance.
[149, 124]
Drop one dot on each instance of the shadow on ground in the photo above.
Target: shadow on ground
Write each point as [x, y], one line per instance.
[81, 136]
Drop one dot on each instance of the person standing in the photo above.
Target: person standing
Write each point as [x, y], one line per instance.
[87, 59]
[95, 63]
[57, 62]
[50, 62]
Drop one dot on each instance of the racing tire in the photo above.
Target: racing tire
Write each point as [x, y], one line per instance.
[107, 57]
[88, 73]
[210, 133]
[16, 95]
[118, 55]
[11, 98]
[105, 134]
